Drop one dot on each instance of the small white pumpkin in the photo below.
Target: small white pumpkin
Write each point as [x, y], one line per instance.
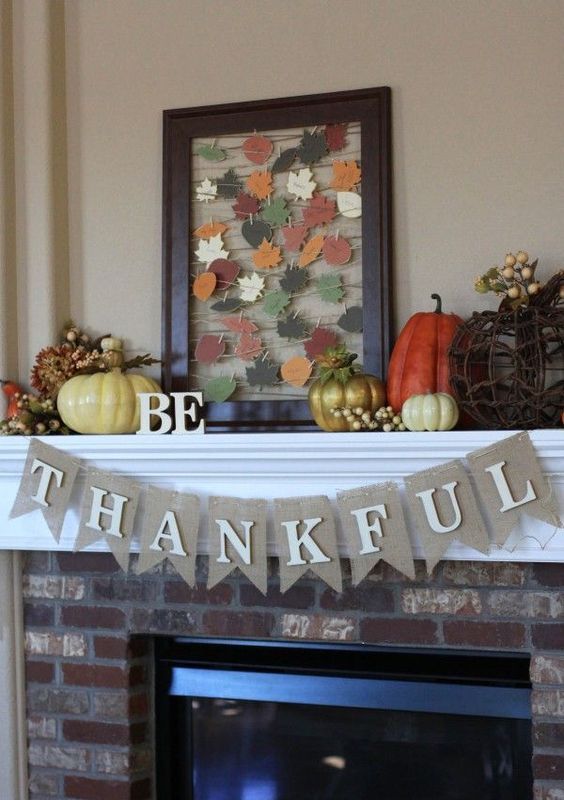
[430, 412]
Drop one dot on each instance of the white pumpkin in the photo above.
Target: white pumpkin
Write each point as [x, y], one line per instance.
[430, 412]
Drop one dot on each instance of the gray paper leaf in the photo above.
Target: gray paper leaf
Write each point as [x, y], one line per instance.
[291, 328]
[284, 160]
[294, 278]
[351, 320]
[263, 373]
[254, 232]
[227, 305]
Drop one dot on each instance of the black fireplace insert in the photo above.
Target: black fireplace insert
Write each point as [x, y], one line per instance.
[255, 720]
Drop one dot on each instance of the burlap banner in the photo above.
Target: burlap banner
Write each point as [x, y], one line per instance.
[444, 508]
[440, 501]
[237, 538]
[374, 529]
[47, 481]
[108, 509]
[169, 530]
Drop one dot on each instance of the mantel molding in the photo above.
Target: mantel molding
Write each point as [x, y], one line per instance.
[271, 465]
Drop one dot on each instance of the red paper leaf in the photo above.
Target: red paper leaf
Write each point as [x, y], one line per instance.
[321, 339]
[257, 149]
[320, 210]
[294, 237]
[248, 347]
[245, 205]
[335, 135]
[226, 271]
[239, 325]
[209, 349]
[336, 250]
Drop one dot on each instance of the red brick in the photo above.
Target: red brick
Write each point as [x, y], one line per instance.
[124, 588]
[545, 669]
[549, 734]
[484, 573]
[295, 597]
[230, 623]
[163, 620]
[87, 562]
[39, 671]
[93, 617]
[139, 704]
[38, 615]
[369, 596]
[548, 636]
[533, 605]
[137, 675]
[141, 790]
[111, 647]
[548, 767]
[95, 675]
[37, 561]
[80, 788]
[76, 730]
[484, 634]
[549, 575]
[459, 602]
[318, 626]
[399, 631]
[180, 592]
[58, 701]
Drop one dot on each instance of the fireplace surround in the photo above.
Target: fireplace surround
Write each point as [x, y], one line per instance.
[90, 628]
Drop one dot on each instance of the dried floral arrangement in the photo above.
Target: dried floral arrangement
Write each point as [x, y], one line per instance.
[77, 353]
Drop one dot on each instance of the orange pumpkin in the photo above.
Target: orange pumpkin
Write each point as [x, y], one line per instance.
[419, 362]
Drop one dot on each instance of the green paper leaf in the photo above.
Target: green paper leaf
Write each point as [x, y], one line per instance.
[330, 287]
[210, 152]
[219, 389]
[294, 279]
[276, 212]
[275, 302]
[284, 160]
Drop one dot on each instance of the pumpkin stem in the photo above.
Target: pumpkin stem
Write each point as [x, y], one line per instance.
[439, 308]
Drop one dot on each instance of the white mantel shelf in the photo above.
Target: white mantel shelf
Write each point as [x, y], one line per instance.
[271, 465]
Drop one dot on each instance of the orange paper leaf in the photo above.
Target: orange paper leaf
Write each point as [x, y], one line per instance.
[346, 174]
[267, 256]
[210, 229]
[311, 250]
[296, 371]
[259, 184]
[204, 285]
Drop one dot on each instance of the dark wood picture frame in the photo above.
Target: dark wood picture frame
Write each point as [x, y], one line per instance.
[372, 108]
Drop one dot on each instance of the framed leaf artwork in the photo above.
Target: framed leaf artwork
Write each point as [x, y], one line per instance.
[276, 246]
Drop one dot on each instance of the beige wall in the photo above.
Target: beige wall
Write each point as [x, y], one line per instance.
[478, 125]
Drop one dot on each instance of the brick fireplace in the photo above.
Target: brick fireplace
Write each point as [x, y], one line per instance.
[89, 628]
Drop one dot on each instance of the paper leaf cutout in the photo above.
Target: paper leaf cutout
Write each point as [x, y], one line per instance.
[267, 256]
[259, 184]
[254, 232]
[204, 286]
[313, 146]
[276, 212]
[335, 136]
[219, 389]
[238, 324]
[291, 328]
[336, 250]
[321, 339]
[209, 349]
[257, 149]
[262, 373]
[206, 191]
[210, 229]
[275, 302]
[301, 185]
[227, 305]
[296, 371]
[346, 174]
[311, 250]
[229, 185]
[210, 249]
[248, 347]
[251, 287]
[320, 210]
[294, 279]
[349, 204]
[210, 152]
[245, 206]
[330, 287]
[226, 271]
[284, 160]
[351, 320]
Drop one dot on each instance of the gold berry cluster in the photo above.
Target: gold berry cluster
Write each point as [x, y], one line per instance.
[515, 279]
[361, 419]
